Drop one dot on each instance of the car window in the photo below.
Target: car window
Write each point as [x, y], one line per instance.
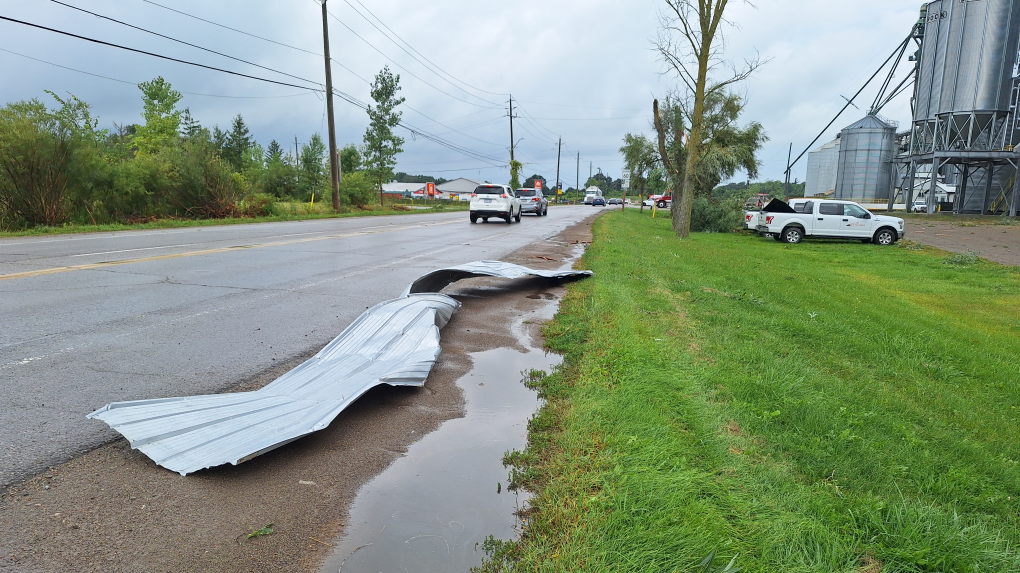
[830, 209]
[489, 190]
[527, 193]
[851, 210]
[799, 207]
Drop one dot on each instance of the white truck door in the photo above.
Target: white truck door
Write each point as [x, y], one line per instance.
[829, 220]
[857, 221]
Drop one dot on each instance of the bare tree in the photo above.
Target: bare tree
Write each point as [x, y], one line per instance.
[691, 42]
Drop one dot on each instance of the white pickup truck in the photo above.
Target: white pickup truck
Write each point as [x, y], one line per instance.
[828, 219]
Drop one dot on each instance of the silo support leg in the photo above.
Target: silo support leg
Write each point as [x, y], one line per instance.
[935, 166]
[961, 194]
[1016, 194]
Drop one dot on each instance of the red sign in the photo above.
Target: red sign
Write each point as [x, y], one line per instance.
[538, 184]
[431, 187]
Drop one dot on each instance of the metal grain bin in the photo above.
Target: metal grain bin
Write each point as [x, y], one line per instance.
[821, 169]
[966, 73]
[865, 171]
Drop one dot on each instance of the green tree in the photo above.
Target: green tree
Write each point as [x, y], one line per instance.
[382, 145]
[47, 158]
[162, 119]
[350, 159]
[238, 145]
[515, 173]
[274, 152]
[690, 42]
[640, 156]
[530, 182]
[190, 127]
[312, 171]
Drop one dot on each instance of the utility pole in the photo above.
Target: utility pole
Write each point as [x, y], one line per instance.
[334, 167]
[297, 154]
[559, 152]
[578, 171]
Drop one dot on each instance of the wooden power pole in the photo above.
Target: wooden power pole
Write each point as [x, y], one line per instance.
[334, 167]
[559, 152]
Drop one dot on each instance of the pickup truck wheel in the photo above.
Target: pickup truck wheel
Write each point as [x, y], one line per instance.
[661, 204]
[885, 237]
[793, 235]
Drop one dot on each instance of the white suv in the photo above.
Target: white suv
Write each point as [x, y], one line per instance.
[495, 201]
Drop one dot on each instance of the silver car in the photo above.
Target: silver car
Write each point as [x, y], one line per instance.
[533, 201]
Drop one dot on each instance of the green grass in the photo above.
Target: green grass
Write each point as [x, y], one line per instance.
[284, 211]
[823, 407]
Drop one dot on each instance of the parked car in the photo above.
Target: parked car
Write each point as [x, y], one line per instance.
[495, 201]
[616, 201]
[919, 206]
[598, 202]
[828, 219]
[533, 201]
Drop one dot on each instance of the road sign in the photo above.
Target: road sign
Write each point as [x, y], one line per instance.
[538, 184]
[431, 187]
[626, 179]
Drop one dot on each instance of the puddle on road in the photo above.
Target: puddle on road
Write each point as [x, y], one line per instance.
[431, 510]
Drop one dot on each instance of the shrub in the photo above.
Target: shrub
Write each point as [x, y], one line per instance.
[710, 215]
[357, 189]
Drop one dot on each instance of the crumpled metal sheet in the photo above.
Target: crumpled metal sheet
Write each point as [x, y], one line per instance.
[439, 279]
[395, 342]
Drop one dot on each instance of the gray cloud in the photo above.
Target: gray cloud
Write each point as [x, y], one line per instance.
[583, 70]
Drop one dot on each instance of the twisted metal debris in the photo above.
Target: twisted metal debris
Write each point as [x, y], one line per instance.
[395, 343]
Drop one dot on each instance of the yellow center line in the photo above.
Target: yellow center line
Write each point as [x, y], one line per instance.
[93, 266]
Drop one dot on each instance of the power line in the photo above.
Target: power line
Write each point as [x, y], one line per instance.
[95, 41]
[181, 41]
[136, 83]
[232, 29]
[390, 37]
[494, 106]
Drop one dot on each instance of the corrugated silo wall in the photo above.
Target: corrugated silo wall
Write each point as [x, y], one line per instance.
[865, 166]
[821, 170]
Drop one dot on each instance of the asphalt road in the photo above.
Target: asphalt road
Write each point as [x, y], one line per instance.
[86, 320]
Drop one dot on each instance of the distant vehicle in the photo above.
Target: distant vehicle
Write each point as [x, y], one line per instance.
[828, 219]
[664, 202]
[616, 201]
[919, 206]
[533, 201]
[598, 202]
[590, 194]
[757, 202]
[495, 201]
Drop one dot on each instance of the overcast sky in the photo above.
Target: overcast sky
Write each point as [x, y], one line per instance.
[581, 70]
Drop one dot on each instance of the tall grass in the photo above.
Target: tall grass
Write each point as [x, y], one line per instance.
[824, 407]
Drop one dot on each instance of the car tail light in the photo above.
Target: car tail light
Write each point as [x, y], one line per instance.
[768, 220]
[535, 199]
[474, 194]
[503, 195]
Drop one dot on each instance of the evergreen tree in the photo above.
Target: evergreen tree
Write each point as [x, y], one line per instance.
[238, 144]
[190, 127]
[274, 152]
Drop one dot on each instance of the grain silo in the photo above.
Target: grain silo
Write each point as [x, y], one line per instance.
[865, 170]
[964, 110]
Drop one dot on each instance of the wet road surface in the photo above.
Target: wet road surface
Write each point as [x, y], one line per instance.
[90, 319]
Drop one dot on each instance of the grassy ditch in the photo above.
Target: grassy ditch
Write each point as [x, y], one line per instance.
[281, 211]
[824, 407]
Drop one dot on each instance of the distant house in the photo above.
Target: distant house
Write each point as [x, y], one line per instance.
[400, 190]
[458, 189]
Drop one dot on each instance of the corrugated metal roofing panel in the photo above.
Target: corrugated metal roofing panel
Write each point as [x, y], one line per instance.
[395, 342]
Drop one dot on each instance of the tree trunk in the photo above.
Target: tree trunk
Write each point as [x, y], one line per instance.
[682, 217]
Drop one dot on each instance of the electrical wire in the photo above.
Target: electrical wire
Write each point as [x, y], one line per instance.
[390, 37]
[181, 41]
[95, 41]
[233, 29]
[370, 45]
[136, 83]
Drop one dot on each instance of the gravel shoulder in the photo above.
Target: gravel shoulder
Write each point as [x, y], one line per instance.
[988, 238]
[112, 509]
